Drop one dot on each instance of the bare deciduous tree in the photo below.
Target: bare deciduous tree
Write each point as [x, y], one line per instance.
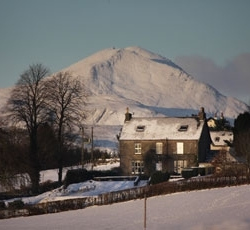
[27, 106]
[66, 98]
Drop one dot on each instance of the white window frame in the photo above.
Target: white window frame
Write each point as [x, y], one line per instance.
[159, 148]
[137, 167]
[180, 147]
[137, 148]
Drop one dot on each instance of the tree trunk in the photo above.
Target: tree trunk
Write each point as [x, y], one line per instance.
[34, 171]
[35, 178]
[60, 153]
[60, 167]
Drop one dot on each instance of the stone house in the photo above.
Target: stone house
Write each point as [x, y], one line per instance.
[168, 144]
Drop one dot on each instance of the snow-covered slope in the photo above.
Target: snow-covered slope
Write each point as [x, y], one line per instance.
[4, 95]
[147, 83]
[213, 209]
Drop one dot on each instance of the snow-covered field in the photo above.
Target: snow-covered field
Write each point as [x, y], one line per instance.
[85, 189]
[223, 208]
[78, 190]
[52, 174]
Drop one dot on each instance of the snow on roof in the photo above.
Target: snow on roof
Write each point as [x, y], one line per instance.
[162, 128]
[219, 137]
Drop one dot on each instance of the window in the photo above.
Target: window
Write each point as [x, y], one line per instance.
[158, 166]
[180, 148]
[137, 148]
[140, 128]
[137, 167]
[217, 139]
[183, 128]
[159, 148]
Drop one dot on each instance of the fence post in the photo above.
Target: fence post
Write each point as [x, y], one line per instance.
[145, 211]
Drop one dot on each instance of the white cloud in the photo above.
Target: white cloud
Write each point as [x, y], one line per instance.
[232, 79]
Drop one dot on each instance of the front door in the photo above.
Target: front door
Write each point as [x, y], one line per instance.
[179, 165]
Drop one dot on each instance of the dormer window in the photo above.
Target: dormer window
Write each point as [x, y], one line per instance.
[183, 128]
[140, 128]
[217, 139]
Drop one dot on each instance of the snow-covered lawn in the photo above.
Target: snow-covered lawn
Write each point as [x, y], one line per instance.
[79, 190]
[222, 208]
[52, 174]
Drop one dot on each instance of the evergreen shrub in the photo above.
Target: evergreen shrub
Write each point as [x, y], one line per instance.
[189, 172]
[81, 175]
[16, 204]
[2, 205]
[159, 177]
[76, 176]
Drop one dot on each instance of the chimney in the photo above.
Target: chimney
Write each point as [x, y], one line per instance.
[222, 116]
[215, 116]
[202, 114]
[128, 115]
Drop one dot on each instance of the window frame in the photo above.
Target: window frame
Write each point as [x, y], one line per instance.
[137, 167]
[183, 128]
[159, 148]
[179, 165]
[179, 147]
[140, 128]
[138, 148]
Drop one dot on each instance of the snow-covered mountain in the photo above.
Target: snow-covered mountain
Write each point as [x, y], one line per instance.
[147, 83]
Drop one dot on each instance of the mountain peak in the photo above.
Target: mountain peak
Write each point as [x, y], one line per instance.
[142, 52]
[114, 54]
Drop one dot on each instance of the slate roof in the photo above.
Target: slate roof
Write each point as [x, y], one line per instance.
[162, 128]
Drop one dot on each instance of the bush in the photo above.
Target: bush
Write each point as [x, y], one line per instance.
[81, 175]
[159, 177]
[76, 176]
[48, 186]
[2, 205]
[16, 204]
[189, 172]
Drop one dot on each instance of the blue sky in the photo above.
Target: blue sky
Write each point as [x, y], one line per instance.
[210, 39]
